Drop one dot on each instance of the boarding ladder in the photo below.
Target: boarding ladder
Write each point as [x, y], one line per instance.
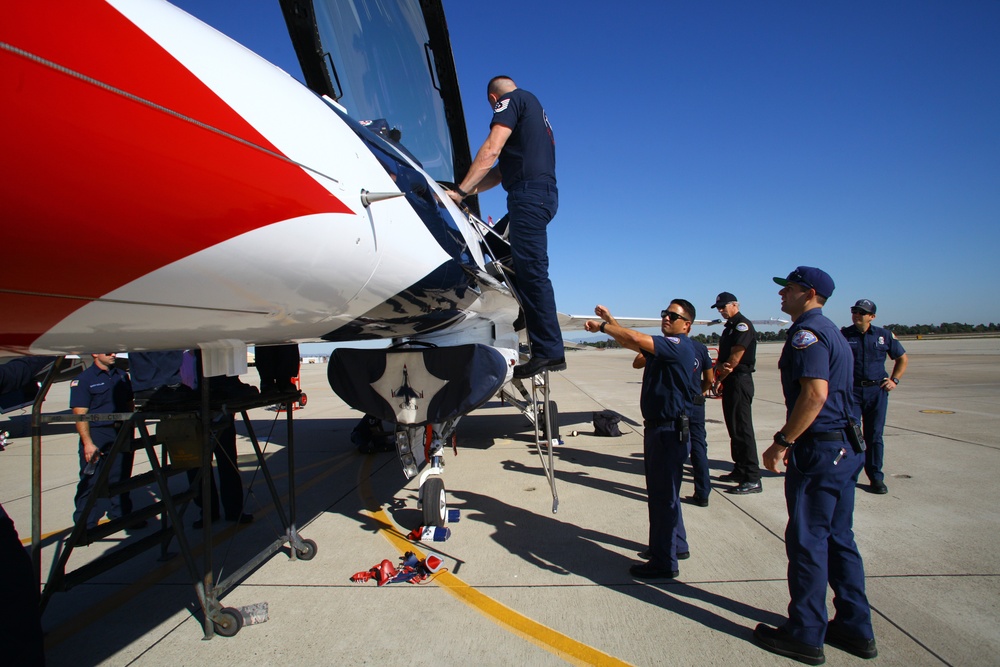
[535, 405]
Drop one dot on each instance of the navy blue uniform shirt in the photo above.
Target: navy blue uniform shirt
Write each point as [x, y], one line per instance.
[816, 349]
[870, 349]
[702, 360]
[739, 331]
[667, 385]
[530, 151]
[101, 391]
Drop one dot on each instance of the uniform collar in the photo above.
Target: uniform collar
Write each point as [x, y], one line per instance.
[811, 313]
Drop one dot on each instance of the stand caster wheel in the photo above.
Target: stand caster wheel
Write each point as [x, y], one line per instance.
[232, 621]
[308, 552]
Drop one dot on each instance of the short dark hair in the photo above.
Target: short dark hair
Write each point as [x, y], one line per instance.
[687, 307]
[495, 87]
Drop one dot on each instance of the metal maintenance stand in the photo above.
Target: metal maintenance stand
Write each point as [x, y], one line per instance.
[170, 507]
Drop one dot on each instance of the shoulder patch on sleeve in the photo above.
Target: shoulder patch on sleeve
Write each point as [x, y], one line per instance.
[673, 339]
[73, 383]
[893, 335]
[743, 327]
[501, 105]
[803, 338]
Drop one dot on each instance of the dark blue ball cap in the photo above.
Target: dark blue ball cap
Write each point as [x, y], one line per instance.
[811, 278]
[866, 305]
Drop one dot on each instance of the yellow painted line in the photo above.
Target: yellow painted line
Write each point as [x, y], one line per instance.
[555, 642]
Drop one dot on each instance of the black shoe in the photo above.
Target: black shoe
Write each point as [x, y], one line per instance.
[681, 555]
[777, 640]
[650, 571]
[879, 487]
[695, 500]
[536, 365]
[745, 488]
[242, 518]
[731, 477]
[168, 397]
[234, 391]
[279, 389]
[859, 646]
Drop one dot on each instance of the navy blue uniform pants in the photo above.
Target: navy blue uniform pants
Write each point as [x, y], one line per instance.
[873, 403]
[531, 207]
[737, 399]
[21, 629]
[277, 365]
[819, 541]
[115, 506]
[699, 453]
[230, 486]
[664, 456]
[151, 370]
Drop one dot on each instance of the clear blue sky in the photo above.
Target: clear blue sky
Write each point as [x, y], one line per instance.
[708, 146]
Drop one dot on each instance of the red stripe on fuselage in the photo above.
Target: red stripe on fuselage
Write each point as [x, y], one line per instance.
[100, 190]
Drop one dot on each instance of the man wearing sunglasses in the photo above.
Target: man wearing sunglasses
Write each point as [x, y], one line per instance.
[668, 391]
[870, 345]
[822, 469]
[734, 370]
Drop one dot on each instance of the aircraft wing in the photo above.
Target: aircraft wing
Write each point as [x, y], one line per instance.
[575, 322]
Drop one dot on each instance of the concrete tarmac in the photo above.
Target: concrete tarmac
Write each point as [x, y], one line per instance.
[525, 586]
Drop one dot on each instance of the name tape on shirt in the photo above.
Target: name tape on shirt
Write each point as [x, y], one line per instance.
[501, 106]
[803, 338]
[743, 327]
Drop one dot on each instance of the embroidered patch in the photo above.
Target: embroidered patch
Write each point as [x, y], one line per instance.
[881, 340]
[73, 383]
[673, 339]
[743, 327]
[501, 106]
[803, 338]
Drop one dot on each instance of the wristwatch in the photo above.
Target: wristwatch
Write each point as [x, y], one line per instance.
[895, 380]
[780, 439]
[461, 192]
[603, 324]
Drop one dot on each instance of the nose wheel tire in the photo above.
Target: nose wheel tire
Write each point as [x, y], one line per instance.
[434, 504]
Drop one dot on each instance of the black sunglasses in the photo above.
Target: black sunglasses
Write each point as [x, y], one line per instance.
[672, 316]
[859, 311]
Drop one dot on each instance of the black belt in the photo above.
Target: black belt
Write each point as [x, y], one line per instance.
[657, 423]
[867, 383]
[827, 435]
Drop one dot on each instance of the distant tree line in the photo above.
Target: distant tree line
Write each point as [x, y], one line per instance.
[898, 329]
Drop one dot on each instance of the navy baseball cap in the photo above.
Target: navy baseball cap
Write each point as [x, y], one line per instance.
[811, 278]
[723, 299]
[866, 305]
